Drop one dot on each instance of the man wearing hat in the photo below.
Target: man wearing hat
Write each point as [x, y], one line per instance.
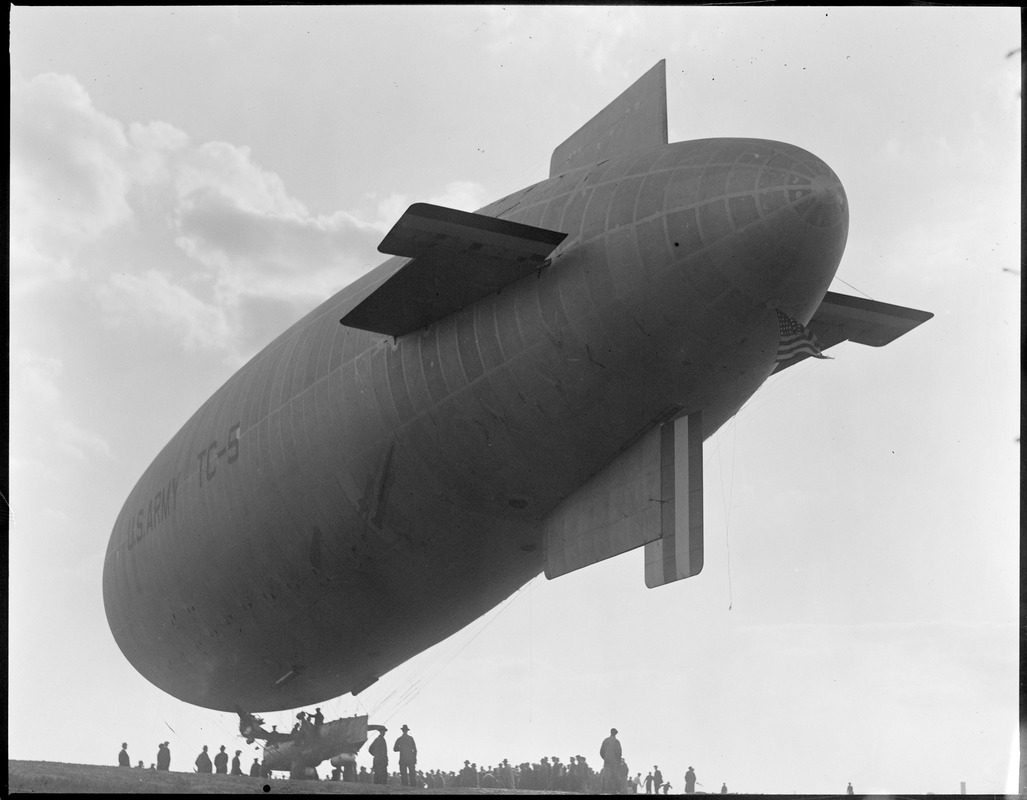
[407, 749]
[610, 753]
[163, 757]
[690, 781]
[379, 751]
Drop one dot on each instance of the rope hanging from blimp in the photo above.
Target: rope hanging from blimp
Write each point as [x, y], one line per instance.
[420, 684]
[387, 707]
[436, 662]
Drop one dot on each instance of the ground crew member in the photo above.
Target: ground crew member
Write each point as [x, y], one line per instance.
[255, 769]
[236, 765]
[690, 781]
[203, 761]
[319, 718]
[123, 759]
[657, 779]
[379, 751]
[610, 753]
[221, 762]
[407, 749]
[163, 757]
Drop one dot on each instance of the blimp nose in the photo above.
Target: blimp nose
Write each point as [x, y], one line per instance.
[783, 221]
[807, 213]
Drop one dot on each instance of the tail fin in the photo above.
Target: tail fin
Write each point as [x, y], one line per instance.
[636, 120]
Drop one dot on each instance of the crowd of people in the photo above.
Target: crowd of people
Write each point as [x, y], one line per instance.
[203, 762]
[549, 773]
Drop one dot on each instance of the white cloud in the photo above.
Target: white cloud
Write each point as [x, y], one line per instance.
[461, 195]
[153, 145]
[68, 184]
[34, 378]
[227, 170]
[67, 159]
[78, 442]
[152, 300]
[92, 197]
[38, 415]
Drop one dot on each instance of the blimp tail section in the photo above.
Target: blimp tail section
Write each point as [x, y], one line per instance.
[650, 495]
[635, 121]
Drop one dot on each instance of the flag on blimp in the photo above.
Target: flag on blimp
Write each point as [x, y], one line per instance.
[796, 339]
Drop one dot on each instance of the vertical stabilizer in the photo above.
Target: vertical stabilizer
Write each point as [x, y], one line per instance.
[678, 553]
[651, 495]
[636, 120]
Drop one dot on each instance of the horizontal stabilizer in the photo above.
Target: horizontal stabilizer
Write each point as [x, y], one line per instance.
[635, 121]
[457, 258]
[843, 318]
[650, 495]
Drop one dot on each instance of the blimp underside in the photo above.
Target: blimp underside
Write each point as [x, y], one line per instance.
[522, 389]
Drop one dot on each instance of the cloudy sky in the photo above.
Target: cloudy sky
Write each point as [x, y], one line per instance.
[187, 182]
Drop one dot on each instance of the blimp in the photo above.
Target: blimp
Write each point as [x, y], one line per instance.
[518, 390]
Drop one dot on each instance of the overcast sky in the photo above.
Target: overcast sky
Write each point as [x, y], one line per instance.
[186, 182]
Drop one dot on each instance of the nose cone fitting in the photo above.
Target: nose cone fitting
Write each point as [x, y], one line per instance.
[825, 206]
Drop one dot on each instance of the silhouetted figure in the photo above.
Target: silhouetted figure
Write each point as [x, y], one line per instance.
[236, 764]
[723, 788]
[163, 757]
[506, 776]
[364, 776]
[649, 783]
[657, 779]
[255, 769]
[319, 718]
[221, 762]
[690, 781]
[666, 788]
[407, 749]
[123, 759]
[379, 751]
[849, 789]
[610, 753]
[139, 765]
[203, 761]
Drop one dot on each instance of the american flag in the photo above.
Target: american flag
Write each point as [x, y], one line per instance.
[796, 339]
